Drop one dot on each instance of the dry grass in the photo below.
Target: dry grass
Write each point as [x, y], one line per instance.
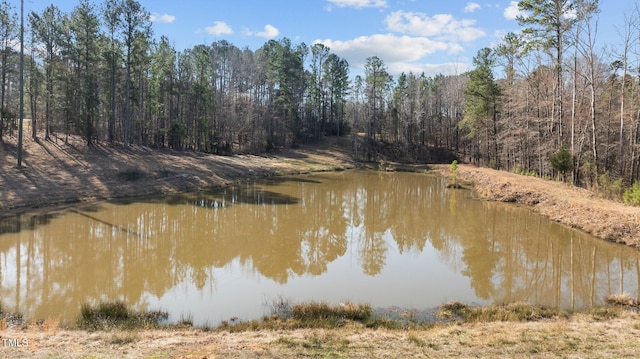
[514, 312]
[623, 300]
[319, 330]
[576, 336]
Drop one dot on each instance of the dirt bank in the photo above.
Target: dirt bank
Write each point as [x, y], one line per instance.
[561, 202]
[56, 173]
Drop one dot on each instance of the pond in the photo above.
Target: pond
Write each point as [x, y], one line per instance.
[388, 239]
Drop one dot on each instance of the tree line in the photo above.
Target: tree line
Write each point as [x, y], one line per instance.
[545, 101]
[97, 72]
[563, 107]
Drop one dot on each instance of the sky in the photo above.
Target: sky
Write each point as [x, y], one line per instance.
[430, 36]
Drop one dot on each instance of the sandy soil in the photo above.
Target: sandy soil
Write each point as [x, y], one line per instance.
[561, 202]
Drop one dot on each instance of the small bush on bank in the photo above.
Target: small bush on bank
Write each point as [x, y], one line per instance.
[632, 195]
[610, 188]
[116, 315]
[310, 312]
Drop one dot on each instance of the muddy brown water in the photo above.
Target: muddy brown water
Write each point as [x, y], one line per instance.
[388, 239]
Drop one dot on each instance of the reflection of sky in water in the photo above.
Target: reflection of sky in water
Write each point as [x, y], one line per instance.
[399, 240]
[412, 280]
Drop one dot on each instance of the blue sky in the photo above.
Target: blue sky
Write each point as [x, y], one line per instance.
[408, 35]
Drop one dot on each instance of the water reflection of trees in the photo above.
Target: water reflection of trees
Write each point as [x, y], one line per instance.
[298, 228]
[512, 255]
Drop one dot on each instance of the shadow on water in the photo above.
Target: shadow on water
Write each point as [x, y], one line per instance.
[24, 222]
[218, 198]
[281, 180]
[251, 195]
[223, 197]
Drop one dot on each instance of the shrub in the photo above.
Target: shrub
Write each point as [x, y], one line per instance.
[561, 160]
[309, 312]
[117, 315]
[610, 188]
[632, 195]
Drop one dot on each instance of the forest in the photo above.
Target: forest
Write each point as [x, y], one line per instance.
[547, 101]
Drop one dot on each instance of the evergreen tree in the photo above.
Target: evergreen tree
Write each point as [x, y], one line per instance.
[47, 31]
[85, 48]
[135, 30]
[378, 82]
[8, 35]
[481, 101]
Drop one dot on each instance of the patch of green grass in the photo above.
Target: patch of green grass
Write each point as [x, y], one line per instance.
[322, 312]
[123, 338]
[108, 315]
[605, 313]
[286, 342]
[312, 342]
[416, 341]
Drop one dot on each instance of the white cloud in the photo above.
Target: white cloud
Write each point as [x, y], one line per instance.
[359, 4]
[388, 47]
[269, 32]
[511, 12]
[219, 28]
[471, 7]
[164, 18]
[399, 53]
[441, 26]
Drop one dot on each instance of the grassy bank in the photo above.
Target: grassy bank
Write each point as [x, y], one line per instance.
[109, 330]
[290, 316]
